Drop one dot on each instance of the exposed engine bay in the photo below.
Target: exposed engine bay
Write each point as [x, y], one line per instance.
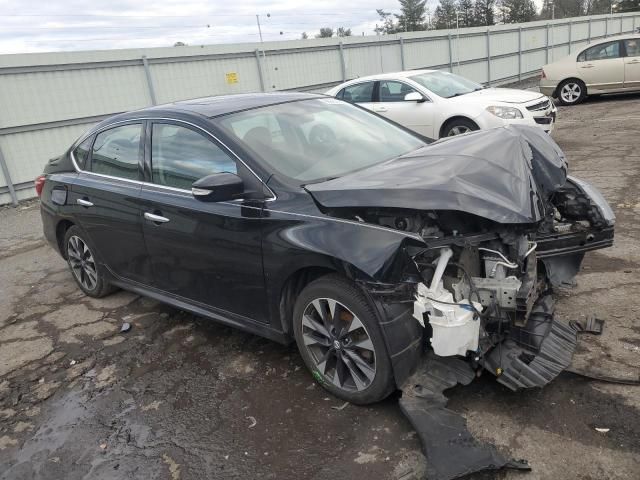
[494, 225]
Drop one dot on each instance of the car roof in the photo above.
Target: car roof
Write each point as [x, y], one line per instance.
[391, 75]
[225, 104]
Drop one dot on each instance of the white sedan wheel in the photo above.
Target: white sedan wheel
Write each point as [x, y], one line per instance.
[571, 92]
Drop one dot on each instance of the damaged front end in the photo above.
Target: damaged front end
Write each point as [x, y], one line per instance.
[502, 226]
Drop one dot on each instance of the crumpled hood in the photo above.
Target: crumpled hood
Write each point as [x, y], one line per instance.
[507, 95]
[502, 174]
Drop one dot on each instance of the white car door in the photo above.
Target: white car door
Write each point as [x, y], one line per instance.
[417, 116]
[632, 63]
[601, 67]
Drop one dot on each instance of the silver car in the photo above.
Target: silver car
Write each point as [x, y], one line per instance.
[607, 66]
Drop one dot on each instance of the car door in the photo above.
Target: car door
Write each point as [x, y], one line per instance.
[106, 198]
[204, 252]
[601, 67]
[360, 93]
[632, 63]
[417, 116]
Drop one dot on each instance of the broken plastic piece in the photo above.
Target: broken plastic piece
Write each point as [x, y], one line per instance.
[126, 326]
[450, 448]
[590, 325]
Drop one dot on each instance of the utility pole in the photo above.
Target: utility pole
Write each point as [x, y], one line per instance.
[259, 28]
[264, 54]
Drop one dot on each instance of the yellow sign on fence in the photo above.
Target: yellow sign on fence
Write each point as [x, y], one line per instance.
[232, 77]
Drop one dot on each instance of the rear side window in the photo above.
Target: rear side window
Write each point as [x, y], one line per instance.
[360, 93]
[633, 47]
[116, 152]
[600, 52]
[81, 153]
[180, 156]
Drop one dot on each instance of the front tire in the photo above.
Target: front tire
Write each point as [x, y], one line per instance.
[458, 126]
[571, 92]
[86, 271]
[341, 342]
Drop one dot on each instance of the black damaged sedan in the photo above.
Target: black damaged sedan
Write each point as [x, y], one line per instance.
[299, 217]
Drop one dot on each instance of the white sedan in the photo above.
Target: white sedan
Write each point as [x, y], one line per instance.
[440, 104]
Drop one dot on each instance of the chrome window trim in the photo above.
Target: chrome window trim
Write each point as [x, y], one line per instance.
[134, 120]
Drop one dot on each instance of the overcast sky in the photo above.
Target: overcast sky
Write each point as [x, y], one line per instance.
[54, 25]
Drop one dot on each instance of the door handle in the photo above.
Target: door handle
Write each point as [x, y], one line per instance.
[380, 109]
[84, 203]
[633, 61]
[587, 66]
[155, 218]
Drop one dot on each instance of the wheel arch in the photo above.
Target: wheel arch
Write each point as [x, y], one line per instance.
[449, 120]
[61, 230]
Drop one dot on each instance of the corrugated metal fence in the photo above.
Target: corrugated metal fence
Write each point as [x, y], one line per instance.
[48, 100]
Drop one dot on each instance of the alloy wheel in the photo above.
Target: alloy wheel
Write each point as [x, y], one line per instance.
[570, 92]
[82, 263]
[339, 344]
[458, 130]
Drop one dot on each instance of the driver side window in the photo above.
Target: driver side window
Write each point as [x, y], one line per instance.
[180, 156]
[394, 91]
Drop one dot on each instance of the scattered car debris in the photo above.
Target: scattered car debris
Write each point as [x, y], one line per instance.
[590, 325]
[72, 363]
[253, 421]
[341, 407]
[602, 430]
[449, 447]
[126, 326]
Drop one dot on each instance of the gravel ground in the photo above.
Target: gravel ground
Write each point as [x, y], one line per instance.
[178, 397]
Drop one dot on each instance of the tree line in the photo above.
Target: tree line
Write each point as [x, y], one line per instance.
[415, 15]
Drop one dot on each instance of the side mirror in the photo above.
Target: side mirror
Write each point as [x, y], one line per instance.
[218, 187]
[414, 97]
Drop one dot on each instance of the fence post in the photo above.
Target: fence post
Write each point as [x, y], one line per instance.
[450, 54]
[589, 38]
[633, 28]
[570, 25]
[343, 65]
[519, 53]
[147, 72]
[620, 23]
[260, 76]
[7, 178]
[547, 50]
[402, 53]
[606, 27]
[488, 57]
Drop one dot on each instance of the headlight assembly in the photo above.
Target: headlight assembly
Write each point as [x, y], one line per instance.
[507, 113]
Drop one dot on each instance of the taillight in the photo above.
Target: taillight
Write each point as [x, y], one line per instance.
[40, 184]
[544, 75]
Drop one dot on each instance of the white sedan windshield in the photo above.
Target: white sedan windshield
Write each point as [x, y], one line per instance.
[445, 84]
[316, 139]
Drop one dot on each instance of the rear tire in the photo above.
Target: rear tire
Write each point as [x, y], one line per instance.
[571, 92]
[86, 270]
[458, 126]
[341, 342]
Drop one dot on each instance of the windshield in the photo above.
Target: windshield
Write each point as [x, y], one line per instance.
[445, 84]
[317, 139]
